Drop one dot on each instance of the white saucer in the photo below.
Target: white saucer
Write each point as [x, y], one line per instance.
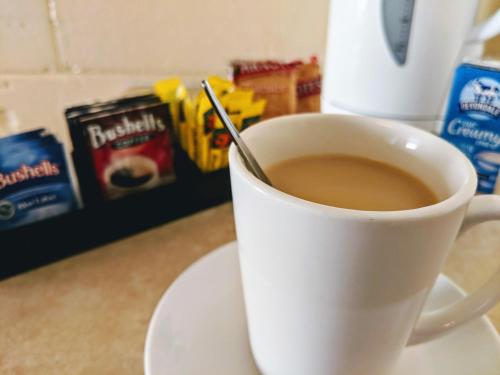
[199, 328]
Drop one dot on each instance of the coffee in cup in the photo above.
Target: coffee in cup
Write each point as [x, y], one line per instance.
[352, 182]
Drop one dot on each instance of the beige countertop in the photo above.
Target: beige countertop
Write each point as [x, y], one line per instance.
[89, 314]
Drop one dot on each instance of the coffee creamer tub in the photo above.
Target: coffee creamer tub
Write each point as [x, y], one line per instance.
[472, 121]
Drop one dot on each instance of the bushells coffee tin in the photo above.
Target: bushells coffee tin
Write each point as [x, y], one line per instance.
[121, 147]
[472, 121]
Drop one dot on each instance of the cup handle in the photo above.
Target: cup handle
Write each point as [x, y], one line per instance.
[435, 323]
[485, 30]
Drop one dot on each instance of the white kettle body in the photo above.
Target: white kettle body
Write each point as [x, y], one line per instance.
[394, 58]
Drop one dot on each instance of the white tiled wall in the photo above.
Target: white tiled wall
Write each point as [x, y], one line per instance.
[26, 41]
[186, 36]
[55, 53]
[154, 36]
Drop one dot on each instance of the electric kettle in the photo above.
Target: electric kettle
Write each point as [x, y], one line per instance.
[395, 58]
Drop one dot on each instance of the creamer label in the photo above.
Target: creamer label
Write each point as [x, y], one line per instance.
[472, 121]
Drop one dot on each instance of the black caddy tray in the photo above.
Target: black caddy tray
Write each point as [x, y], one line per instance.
[40, 243]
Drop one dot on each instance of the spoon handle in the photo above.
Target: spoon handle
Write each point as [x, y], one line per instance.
[245, 153]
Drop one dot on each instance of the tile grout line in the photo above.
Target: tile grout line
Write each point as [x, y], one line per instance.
[61, 62]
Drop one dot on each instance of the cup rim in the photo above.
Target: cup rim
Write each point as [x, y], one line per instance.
[453, 202]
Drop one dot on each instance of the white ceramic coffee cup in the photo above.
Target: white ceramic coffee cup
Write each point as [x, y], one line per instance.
[337, 291]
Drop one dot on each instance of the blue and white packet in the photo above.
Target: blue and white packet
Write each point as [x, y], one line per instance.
[35, 183]
[472, 121]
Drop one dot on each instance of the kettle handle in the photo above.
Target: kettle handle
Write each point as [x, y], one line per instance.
[486, 29]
